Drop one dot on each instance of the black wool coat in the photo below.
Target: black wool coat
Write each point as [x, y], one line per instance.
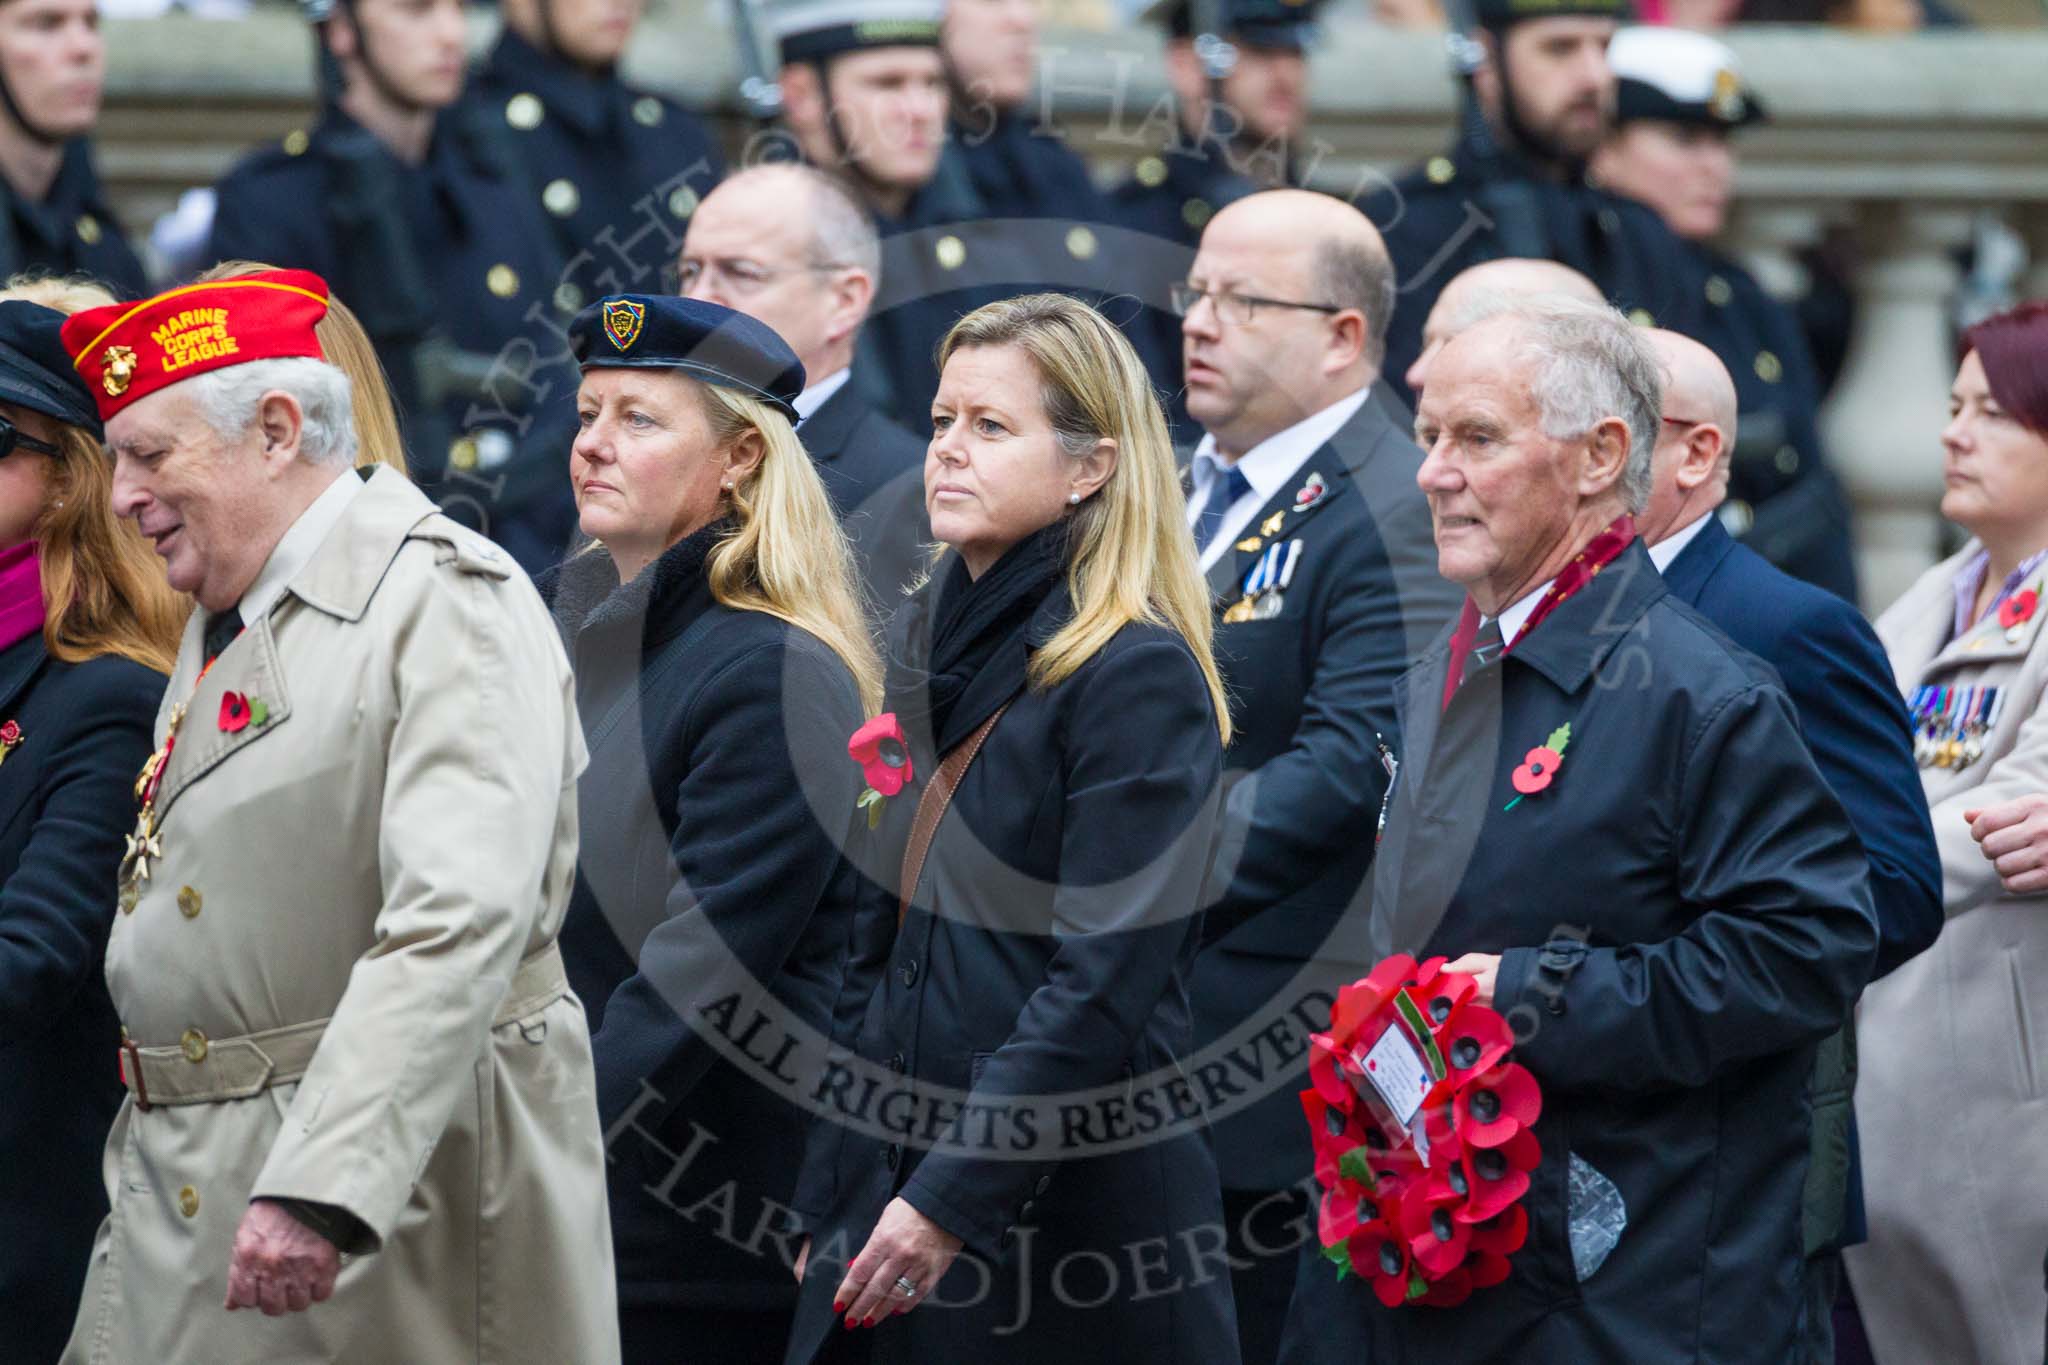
[66, 803]
[1038, 984]
[1682, 914]
[711, 890]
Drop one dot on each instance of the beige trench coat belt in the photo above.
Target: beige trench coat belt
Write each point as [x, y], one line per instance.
[211, 1070]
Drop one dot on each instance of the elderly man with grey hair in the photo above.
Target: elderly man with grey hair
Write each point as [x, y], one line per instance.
[1606, 814]
[790, 245]
[361, 1099]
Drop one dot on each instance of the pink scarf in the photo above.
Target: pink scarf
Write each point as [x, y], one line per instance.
[21, 594]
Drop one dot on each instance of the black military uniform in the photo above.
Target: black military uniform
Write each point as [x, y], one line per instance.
[1453, 212]
[617, 171]
[922, 290]
[1177, 187]
[452, 270]
[1784, 499]
[71, 230]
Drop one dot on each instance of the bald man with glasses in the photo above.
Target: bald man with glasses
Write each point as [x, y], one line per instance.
[1317, 545]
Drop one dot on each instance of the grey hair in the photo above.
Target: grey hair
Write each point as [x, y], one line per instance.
[842, 233]
[228, 401]
[1592, 364]
[1351, 274]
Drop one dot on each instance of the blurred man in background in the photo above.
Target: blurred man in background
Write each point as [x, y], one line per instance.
[604, 161]
[1679, 100]
[403, 199]
[53, 68]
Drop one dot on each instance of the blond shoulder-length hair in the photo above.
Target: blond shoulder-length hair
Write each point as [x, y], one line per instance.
[103, 590]
[1130, 556]
[346, 346]
[786, 554]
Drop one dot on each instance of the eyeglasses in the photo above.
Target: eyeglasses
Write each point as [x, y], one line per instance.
[742, 277]
[1235, 309]
[13, 438]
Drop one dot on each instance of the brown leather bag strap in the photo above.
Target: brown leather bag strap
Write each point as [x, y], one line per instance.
[931, 808]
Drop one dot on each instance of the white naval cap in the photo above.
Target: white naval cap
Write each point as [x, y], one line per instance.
[1679, 76]
[808, 30]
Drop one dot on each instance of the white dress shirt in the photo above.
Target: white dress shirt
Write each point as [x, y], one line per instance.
[1517, 613]
[814, 395]
[1669, 548]
[1267, 467]
[296, 547]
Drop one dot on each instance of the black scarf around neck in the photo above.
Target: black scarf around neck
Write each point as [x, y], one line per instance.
[951, 629]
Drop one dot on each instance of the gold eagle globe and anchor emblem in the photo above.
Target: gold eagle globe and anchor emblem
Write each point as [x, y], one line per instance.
[622, 319]
[117, 370]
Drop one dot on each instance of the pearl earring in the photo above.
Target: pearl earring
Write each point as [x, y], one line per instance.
[1073, 499]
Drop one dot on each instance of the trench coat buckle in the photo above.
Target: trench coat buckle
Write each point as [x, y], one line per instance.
[131, 1073]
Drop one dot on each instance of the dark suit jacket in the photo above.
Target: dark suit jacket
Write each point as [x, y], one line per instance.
[1682, 914]
[66, 802]
[1312, 693]
[709, 892]
[1854, 720]
[1039, 977]
[874, 471]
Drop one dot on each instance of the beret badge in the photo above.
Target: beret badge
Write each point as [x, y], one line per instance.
[622, 319]
[117, 368]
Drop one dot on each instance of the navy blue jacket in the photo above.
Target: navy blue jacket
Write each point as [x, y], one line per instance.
[66, 802]
[71, 230]
[1312, 693]
[1682, 914]
[616, 171]
[874, 471]
[1840, 681]
[710, 891]
[1850, 711]
[496, 458]
[1434, 228]
[1039, 977]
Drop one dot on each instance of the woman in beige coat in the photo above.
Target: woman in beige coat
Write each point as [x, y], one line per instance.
[1953, 1092]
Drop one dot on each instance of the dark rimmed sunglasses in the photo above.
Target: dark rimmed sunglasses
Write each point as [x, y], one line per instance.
[13, 438]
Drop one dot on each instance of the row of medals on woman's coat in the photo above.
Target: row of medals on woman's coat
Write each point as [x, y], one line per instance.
[1949, 724]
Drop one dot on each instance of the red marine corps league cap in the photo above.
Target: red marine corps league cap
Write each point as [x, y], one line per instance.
[127, 351]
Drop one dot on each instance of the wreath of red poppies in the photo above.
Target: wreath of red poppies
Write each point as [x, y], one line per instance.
[1422, 1135]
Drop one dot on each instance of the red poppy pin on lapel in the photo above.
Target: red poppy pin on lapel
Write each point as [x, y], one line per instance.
[2015, 611]
[10, 738]
[883, 752]
[238, 712]
[1540, 765]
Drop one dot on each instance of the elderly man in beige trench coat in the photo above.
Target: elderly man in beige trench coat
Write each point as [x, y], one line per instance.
[360, 1091]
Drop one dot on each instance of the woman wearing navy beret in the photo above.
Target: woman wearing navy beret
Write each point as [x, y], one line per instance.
[721, 664]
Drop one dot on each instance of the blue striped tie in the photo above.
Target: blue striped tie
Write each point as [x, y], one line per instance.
[1223, 492]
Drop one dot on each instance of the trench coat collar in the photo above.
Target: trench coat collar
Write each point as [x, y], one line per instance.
[344, 572]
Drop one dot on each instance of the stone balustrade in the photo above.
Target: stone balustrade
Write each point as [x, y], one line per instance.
[1897, 141]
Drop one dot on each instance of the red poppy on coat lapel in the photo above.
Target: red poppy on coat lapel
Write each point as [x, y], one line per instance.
[234, 712]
